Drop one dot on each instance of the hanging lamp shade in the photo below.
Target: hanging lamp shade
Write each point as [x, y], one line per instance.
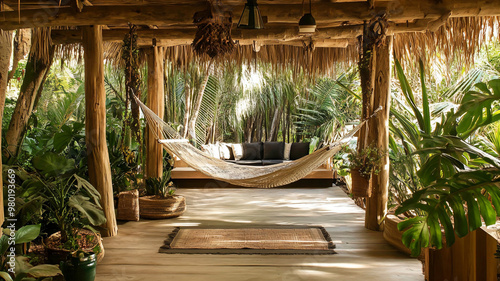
[251, 18]
[307, 24]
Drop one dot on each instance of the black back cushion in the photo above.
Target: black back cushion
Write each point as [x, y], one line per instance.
[252, 151]
[274, 150]
[299, 150]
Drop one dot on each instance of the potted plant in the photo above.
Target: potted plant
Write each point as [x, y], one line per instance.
[71, 204]
[362, 165]
[160, 201]
[80, 266]
[17, 267]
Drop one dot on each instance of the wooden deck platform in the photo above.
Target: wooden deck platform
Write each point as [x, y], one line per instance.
[362, 254]
[190, 173]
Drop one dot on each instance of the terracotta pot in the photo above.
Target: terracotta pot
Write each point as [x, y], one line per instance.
[57, 255]
[152, 207]
[360, 185]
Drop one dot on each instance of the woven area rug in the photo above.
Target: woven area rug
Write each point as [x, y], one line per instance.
[265, 240]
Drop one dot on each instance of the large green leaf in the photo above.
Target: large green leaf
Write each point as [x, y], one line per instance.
[89, 210]
[445, 199]
[476, 108]
[44, 270]
[5, 276]
[88, 189]
[425, 100]
[27, 233]
[408, 94]
[52, 164]
[4, 244]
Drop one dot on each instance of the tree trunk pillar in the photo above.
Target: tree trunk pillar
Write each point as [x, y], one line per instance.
[378, 134]
[156, 102]
[5, 54]
[95, 124]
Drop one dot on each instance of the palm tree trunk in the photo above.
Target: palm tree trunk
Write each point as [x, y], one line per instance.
[187, 109]
[39, 62]
[5, 52]
[22, 43]
[273, 133]
[197, 105]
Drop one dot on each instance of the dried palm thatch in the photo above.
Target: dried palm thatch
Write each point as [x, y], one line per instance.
[280, 57]
[459, 39]
[41, 45]
[213, 36]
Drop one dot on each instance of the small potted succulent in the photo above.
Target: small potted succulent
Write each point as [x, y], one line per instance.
[362, 165]
[160, 201]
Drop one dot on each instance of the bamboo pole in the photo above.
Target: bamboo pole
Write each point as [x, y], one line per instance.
[95, 124]
[156, 102]
[376, 204]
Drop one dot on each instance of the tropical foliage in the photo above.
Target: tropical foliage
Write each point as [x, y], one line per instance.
[447, 182]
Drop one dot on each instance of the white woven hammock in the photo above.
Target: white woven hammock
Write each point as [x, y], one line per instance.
[242, 175]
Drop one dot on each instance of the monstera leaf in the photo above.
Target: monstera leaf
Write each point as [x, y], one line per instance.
[446, 199]
[477, 109]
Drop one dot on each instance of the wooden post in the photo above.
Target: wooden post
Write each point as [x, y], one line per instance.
[5, 54]
[156, 102]
[95, 124]
[376, 204]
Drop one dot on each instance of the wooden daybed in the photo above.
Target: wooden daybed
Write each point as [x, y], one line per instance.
[185, 177]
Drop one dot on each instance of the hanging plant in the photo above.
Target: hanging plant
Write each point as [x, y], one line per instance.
[131, 123]
[213, 36]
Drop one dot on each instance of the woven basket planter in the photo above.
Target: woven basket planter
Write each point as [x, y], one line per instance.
[57, 255]
[360, 185]
[128, 206]
[152, 207]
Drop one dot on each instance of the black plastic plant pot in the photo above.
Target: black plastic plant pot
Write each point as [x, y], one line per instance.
[79, 268]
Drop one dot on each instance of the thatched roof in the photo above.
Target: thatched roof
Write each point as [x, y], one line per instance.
[459, 39]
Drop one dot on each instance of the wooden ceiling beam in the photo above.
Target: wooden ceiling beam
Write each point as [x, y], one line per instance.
[281, 34]
[276, 13]
[173, 37]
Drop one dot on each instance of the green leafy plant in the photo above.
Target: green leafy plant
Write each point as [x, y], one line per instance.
[160, 187]
[24, 271]
[453, 183]
[456, 205]
[367, 161]
[71, 203]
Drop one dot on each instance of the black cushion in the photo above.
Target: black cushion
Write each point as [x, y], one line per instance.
[252, 151]
[274, 150]
[272, 162]
[248, 162]
[299, 150]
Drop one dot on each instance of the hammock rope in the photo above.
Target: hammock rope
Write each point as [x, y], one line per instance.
[242, 175]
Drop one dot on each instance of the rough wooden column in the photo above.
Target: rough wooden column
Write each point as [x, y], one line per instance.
[95, 123]
[5, 54]
[156, 102]
[376, 204]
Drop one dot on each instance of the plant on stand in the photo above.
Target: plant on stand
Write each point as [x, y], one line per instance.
[72, 205]
[160, 201]
[362, 165]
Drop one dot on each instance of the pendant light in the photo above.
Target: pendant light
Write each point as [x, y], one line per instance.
[307, 23]
[251, 18]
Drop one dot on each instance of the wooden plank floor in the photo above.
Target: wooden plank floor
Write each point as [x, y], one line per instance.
[362, 254]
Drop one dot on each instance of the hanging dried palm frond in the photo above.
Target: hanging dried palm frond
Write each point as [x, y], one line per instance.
[213, 36]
